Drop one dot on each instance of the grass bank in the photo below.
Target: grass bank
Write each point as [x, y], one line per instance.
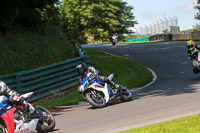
[183, 125]
[25, 49]
[125, 72]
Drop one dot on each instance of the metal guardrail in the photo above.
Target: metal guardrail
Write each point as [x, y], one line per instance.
[46, 80]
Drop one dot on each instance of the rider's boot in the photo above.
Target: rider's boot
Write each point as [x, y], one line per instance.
[117, 87]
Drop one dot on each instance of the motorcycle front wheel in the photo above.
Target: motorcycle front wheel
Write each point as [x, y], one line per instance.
[113, 43]
[2, 129]
[96, 99]
[47, 122]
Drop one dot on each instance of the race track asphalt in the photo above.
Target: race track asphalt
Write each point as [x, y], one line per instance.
[175, 93]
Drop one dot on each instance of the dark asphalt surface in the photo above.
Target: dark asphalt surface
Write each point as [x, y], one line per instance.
[175, 93]
[167, 59]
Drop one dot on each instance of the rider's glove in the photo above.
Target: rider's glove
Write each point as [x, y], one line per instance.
[79, 90]
[16, 99]
[20, 101]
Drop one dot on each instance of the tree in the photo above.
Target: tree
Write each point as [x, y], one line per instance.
[197, 16]
[25, 12]
[95, 17]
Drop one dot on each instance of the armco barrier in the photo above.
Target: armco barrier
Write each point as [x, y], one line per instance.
[46, 80]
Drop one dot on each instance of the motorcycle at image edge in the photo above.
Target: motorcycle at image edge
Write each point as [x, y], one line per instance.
[99, 93]
[114, 39]
[196, 62]
[16, 119]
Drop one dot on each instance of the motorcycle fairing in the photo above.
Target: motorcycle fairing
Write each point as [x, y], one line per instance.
[26, 127]
[102, 89]
[196, 57]
[100, 82]
[7, 114]
[98, 85]
[84, 80]
[5, 108]
[26, 96]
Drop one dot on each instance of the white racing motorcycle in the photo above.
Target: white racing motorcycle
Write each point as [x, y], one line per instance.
[99, 93]
[114, 39]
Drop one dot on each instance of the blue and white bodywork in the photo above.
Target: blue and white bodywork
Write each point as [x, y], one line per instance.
[99, 93]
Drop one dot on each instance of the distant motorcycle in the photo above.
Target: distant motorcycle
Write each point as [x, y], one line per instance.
[114, 39]
[196, 60]
[99, 93]
[16, 119]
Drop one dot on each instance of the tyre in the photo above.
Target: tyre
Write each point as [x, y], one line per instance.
[126, 95]
[47, 122]
[2, 129]
[96, 99]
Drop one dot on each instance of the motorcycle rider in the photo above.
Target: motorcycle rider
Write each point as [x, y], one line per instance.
[192, 48]
[112, 34]
[14, 98]
[83, 70]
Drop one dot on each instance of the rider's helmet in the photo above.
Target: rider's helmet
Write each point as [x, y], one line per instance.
[82, 68]
[190, 45]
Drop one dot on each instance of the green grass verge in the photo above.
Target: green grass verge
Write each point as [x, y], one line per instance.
[125, 72]
[183, 125]
[72, 98]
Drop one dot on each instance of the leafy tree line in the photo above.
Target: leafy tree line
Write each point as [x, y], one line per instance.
[196, 27]
[27, 13]
[79, 19]
[95, 18]
[197, 16]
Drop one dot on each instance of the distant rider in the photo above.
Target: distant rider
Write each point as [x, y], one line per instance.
[112, 34]
[83, 70]
[192, 48]
[13, 97]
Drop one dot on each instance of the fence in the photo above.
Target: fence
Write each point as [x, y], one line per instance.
[158, 27]
[186, 35]
[47, 80]
[161, 37]
[175, 36]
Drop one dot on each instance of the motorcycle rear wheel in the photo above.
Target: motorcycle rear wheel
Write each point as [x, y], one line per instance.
[95, 100]
[47, 123]
[126, 95]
